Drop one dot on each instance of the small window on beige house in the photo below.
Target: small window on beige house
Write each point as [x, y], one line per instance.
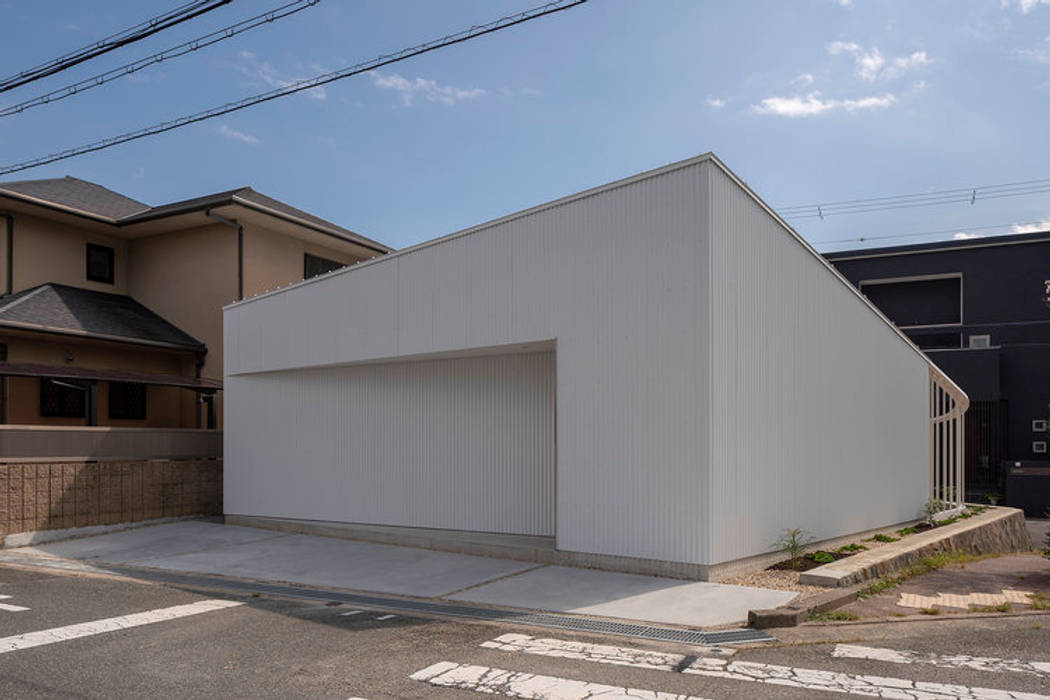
[314, 265]
[127, 401]
[59, 399]
[99, 263]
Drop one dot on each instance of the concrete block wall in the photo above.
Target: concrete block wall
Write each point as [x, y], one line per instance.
[51, 496]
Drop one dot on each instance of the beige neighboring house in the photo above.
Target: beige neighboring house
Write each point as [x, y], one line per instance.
[111, 313]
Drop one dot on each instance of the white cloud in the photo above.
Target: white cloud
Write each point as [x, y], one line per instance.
[1025, 6]
[804, 80]
[964, 236]
[237, 135]
[1042, 225]
[262, 70]
[429, 89]
[715, 102]
[901, 65]
[1040, 56]
[872, 65]
[812, 105]
[919, 85]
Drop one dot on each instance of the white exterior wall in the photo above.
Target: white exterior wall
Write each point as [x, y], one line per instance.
[819, 410]
[436, 444]
[711, 388]
[615, 276]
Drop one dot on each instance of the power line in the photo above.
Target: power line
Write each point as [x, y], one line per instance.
[174, 52]
[916, 234]
[967, 195]
[115, 41]
[300, 85]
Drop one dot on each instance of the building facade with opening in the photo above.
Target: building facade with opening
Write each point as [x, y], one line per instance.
[656, 375]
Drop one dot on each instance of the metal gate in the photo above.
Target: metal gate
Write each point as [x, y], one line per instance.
[985, 442]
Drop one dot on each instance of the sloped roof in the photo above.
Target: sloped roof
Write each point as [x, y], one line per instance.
[87, 198]
[56, 308]
[77, 194]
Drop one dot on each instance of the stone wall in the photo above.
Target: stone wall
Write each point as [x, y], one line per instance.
[77, 494]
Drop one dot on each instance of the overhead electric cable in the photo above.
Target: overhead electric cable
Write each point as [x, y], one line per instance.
[174, 52]
[966, 195]
[300, 85]
[956, 230]
[115, 41]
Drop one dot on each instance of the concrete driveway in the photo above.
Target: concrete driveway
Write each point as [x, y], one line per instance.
[205, 547]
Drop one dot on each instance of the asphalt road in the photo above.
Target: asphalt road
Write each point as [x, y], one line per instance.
[147, 640]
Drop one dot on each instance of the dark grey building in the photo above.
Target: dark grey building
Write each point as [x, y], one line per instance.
[980, 308]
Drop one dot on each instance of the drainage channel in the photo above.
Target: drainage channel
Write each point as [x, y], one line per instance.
[524, 617]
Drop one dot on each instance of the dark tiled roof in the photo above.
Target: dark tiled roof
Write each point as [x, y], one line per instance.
[77, 194]
[56, 308]
[95, 200]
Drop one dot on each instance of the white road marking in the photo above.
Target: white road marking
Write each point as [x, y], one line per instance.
[807, 678]
[12, 608]
[4, 597]
[977, 663]
[598, 653]
[513, 684]
[352, 612]
[386, 617]
[111, 624]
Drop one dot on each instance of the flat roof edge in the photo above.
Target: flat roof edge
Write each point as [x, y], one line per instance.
[552, 204]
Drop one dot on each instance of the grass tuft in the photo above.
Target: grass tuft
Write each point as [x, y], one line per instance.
[1040, 601]
[833, 616]
[1002, 607]
[906, 531]
[852, 547]
[930, 611]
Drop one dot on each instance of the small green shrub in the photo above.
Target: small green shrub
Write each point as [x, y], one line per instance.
[852, 547]
[906, 531]
[1039, 601]
[794, 542]
[823, 557]
[885, 538]
[931, 509]
[1002, 607]
[930, 611]
[994, 498]
[833, 616]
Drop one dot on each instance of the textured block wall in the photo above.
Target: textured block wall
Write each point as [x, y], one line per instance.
[64, 495]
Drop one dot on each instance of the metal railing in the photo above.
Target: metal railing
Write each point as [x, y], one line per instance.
[47, 443]
[948, 404]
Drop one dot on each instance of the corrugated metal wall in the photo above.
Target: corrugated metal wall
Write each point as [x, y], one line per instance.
[819, 409]
[462, 444]
[616, 276]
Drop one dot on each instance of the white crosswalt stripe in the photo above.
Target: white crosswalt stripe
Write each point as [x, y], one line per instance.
[87, 629]
[977, 663]
[7, 607]
[513, 684]
[806, 678]
[598, 653]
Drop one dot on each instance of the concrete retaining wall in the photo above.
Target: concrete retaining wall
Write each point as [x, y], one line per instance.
[994, 531]
[78, 494]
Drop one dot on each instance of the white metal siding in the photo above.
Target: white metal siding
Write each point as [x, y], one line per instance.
[616, 276]
[462, 444]
[819, 409]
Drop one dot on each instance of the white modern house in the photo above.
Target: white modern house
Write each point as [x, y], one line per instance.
[655, 375]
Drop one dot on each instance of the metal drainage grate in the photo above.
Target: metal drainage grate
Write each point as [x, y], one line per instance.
[524, 617]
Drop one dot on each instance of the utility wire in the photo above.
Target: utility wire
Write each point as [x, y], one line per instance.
[967, 195]
[174, 52]
[115, 41]
[916, 234]
[300, 85]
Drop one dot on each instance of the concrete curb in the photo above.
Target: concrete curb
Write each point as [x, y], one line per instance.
[995, 531]
[792, 615]
[32, 537]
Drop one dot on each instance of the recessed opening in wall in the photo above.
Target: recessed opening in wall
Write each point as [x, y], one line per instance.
[1039, 447]
[933, 300]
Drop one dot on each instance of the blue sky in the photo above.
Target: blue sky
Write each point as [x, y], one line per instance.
[807, 101]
